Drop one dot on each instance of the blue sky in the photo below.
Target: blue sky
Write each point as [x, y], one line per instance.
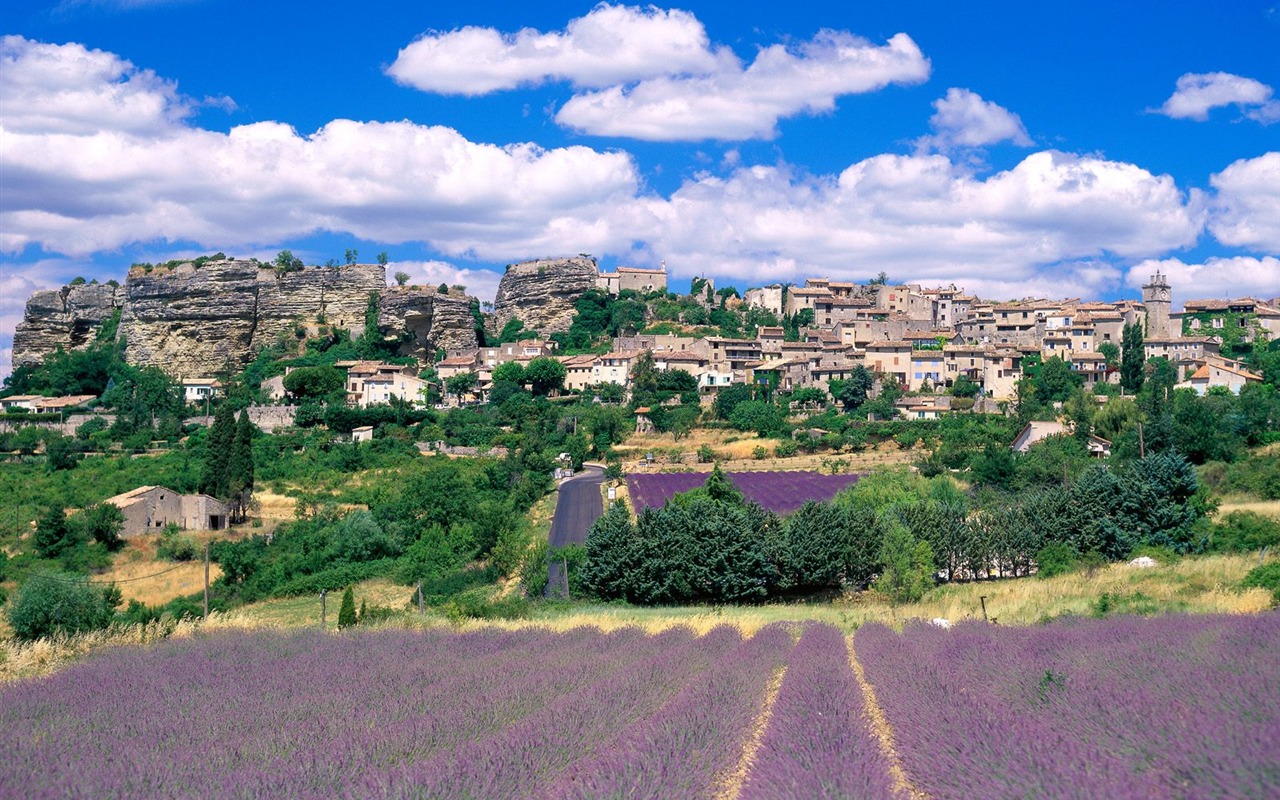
[1014, 149]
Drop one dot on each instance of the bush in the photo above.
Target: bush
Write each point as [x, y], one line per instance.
[176, 546]
[1243, 531]
[1057, 558]
[60, 604]
[1266, 576]
[786, 449]
[347, 613]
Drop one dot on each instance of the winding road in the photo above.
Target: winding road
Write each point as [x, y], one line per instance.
[578, 506]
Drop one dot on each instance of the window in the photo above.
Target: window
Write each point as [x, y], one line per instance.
[1217, 322]
[1195, 324]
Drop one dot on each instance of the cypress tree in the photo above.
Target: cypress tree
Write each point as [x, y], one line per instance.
[347, 613]
[215, 479]
[240, 463]
[1132, 359]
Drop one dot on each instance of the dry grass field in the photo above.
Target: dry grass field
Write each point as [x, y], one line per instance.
[1204, 585]
[735, 451]
[1267, 508]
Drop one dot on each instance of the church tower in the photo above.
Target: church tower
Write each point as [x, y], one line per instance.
[1156, 297]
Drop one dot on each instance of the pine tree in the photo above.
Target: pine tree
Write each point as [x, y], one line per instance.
[347, 613]
[240, 464]
[215, 479]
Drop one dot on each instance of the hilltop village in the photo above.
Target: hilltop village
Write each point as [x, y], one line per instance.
[201, 321]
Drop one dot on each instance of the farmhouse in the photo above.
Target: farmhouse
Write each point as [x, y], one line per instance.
[150, 508]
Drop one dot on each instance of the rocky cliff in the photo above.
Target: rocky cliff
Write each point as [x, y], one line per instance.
[201, 320]
[66, 318]
[541, 293]
[434, 320]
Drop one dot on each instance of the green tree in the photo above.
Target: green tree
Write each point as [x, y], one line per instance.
[644, 378]
[215, 479]
[721, 489]
[510, 371]
[1111, 353]
[460, 384]
[350, 255]
[286, 262]
[908, 566]
[443, 289]
[963, 387]
[401, 277]
[545, 375]
[240, 471]
[53, 535]
[1055, 381]
[727, 400]
[347, 612]
[856, 389]
[61, 452]
[102, 523]
[314, 383]
[1132, 359]
[613, 555]
[49, 605]
[383, 258]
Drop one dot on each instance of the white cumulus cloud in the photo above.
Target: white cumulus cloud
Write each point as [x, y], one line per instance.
[1215, 278]
[610, 44]
[963, 119]
[79, 181]
[480, 283]
[1196, 94]
[733, 103]
[1247, 208]
[1047, 221]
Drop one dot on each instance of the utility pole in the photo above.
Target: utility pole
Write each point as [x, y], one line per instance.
[419, 598]
[1142, 447]
[983, 600]
[206, 580]
[323, 626]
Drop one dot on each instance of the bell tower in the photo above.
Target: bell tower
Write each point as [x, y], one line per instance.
[1156, 298]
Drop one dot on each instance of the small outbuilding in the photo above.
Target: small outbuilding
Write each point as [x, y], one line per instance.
[150, 508]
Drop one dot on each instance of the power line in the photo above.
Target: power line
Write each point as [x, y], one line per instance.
[33, 573]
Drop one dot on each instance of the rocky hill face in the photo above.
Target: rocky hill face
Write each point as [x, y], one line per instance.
[68, 318]
[198, 321]
[541, 293]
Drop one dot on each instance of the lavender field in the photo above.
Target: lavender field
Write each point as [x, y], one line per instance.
[1172, 707]
[780, 492]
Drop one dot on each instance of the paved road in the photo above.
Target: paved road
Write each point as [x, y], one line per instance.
[578, 506]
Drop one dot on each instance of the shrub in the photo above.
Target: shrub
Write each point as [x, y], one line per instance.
[347, 613]
[1266, 576]
[60, 604]
[1243, 531]
[786, 449]
[176, 546]
[1056, 558]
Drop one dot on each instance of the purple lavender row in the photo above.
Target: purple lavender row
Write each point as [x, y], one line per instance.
[531, 754]
[1173, 707]
[302, 714]
[780, 492]
[818, 743]
[683, 749]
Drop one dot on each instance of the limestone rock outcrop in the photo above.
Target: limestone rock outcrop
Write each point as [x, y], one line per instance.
[541, 293]
[67, 318]
[192, 321]
[434, 320]
[201, 320]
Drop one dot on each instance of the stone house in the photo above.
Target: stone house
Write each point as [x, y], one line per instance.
[148, 509]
